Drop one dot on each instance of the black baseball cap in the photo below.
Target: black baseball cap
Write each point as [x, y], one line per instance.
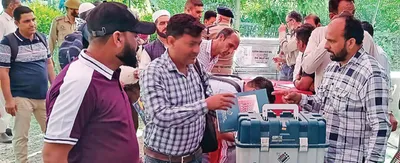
[109, 17]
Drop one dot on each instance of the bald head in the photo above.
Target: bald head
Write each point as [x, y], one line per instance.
[312, 19]
[228, 41]
[344, 37]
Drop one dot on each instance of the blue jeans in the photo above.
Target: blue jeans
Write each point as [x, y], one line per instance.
[153, 160]
[287, 73]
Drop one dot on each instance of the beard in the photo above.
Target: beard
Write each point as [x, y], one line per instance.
[128, 56]
[75, 14]
[340, 56]
[161, 34]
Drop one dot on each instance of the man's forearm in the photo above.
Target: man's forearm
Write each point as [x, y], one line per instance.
[5, 87]
[311, 103]
[379, 137]
[50, 69]
[304, 83]
[47, 159]
[55, 153]
[375, 94]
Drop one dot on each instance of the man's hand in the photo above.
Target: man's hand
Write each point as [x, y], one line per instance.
[136, 73]
[288, 97]
[312, 87]
[278, 66]
[220, 101]
[393, 121]
[298, 77]
[278, 60]
[282, 28]
[11, 107]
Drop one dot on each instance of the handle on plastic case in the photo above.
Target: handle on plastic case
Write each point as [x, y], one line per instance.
[268, 107]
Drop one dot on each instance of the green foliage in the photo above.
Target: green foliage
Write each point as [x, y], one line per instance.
[261, 18]
[44, 15]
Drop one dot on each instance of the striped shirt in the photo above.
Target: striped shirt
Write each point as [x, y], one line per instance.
[175, 107]
[87, 108]
[28, 73]
[205, 57]
[354, 100]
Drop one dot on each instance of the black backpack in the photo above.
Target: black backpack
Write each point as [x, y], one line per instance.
[72, 46]
[12, 39]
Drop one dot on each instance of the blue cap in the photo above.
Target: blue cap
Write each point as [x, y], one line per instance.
[224, 11]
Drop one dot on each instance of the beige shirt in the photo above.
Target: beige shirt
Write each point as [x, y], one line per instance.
[211, 32]
[7, 25]
[288, 46]
[317, 58]
[60, 27]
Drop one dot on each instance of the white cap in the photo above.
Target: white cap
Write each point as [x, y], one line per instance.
[159, 13]
[127, 75]
[85, 7]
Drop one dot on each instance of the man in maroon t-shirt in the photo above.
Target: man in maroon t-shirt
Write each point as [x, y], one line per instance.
[89, 116]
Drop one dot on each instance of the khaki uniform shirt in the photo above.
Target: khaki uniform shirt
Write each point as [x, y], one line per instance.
[289, 47]
[224, 64]
[212, 31]
[60, 27]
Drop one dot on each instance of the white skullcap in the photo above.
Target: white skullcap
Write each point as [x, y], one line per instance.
[159, 13]
[85, 7]
[127, 75]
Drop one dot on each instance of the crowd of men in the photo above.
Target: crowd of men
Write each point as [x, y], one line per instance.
[87, 113]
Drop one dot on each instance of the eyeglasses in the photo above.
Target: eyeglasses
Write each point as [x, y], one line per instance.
[287, 22]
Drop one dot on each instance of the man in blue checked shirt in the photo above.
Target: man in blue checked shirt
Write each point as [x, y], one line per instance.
[173, 96]
[353, 97]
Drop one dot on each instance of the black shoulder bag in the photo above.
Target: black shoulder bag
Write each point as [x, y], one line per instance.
[209, 143]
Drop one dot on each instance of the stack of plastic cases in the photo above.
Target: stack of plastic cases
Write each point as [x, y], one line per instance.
[283, 139]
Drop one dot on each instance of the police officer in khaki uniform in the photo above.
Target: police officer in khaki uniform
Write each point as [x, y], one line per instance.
[224, 18]
[63, 25]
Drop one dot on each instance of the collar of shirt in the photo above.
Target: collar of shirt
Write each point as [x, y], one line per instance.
[161, 43]
[22, 38]
[353, 59]
[171, 66]
[224, 24]
[208, 48]
[66, 19]
[96, 65]
[205, 56]
[8, 17]
[212, 60]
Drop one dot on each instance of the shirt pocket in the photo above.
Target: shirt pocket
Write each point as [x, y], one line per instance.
[339, 99]
[349, 105]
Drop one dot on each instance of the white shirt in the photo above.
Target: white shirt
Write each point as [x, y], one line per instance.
[317, 58]
[383, 60]
[7, 25]
[297, 66]
[219, 87]
[143, 58]
[205, 57]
